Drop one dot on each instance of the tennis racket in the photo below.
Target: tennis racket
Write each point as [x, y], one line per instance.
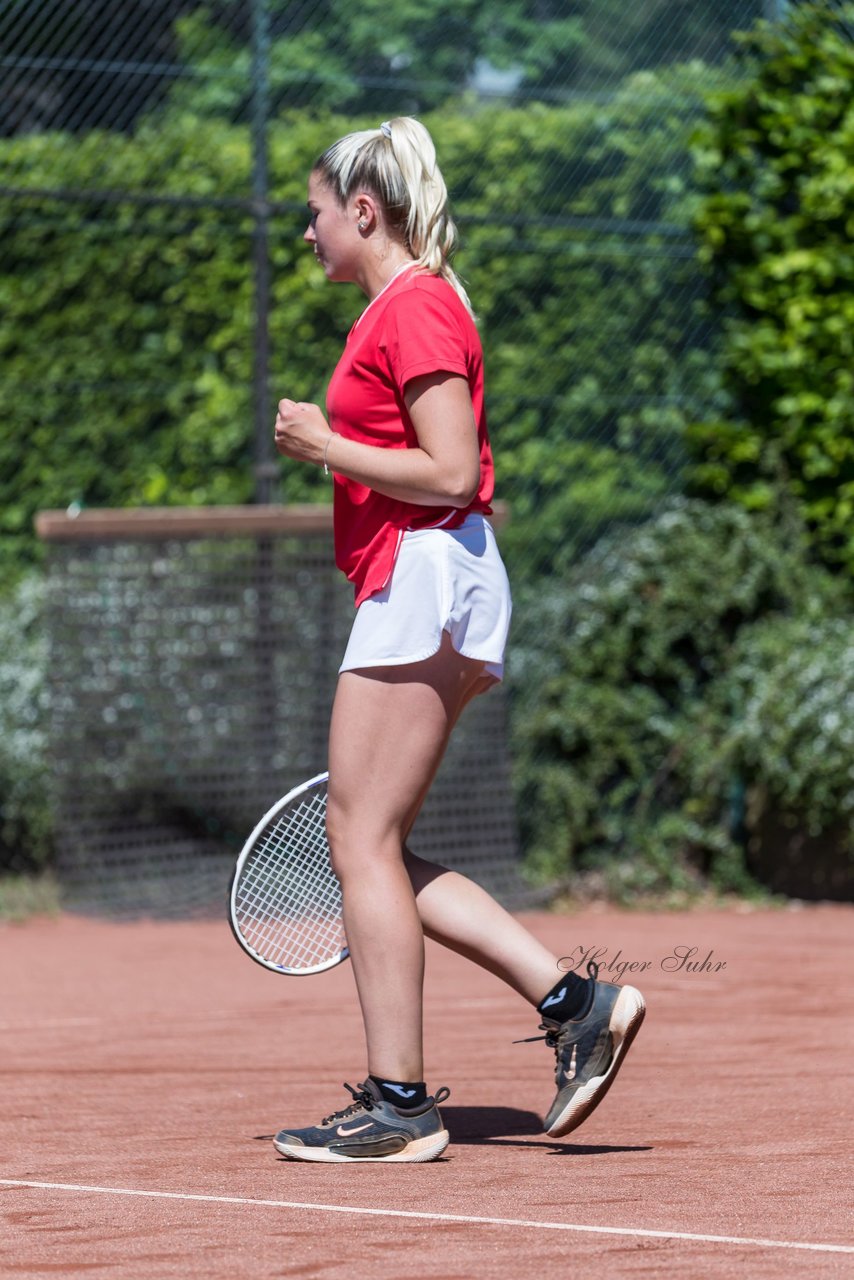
[285, 900]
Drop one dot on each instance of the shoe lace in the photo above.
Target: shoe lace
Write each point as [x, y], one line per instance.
[362, 1101]
[553, 1030]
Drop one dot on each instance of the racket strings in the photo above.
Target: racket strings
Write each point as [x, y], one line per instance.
[287, 899]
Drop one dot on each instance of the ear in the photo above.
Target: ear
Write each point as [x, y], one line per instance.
[367, 211]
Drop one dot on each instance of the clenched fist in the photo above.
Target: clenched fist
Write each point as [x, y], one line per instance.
[301, 431]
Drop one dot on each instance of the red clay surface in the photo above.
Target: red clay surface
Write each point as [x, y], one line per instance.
[157, 1058]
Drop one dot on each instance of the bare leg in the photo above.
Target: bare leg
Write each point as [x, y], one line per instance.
[463, 917]
[389, 730]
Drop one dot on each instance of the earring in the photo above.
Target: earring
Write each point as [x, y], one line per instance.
[362, 226]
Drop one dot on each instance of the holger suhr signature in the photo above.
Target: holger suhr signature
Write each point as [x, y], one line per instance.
[681, 959]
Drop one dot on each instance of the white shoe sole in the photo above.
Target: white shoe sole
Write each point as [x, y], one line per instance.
[417, 1152]
[626, 1018]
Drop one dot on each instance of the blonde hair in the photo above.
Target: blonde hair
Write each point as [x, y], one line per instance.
[397, 164]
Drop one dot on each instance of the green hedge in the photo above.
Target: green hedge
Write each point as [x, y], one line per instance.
[783, 715]
[776, 165]
[126, 331]
[651, 733]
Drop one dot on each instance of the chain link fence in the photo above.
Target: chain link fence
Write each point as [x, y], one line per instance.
[157, 298]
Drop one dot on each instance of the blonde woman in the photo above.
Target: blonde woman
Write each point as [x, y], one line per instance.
[407, 443]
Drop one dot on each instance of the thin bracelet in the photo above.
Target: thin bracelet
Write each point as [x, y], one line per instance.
[326, 450]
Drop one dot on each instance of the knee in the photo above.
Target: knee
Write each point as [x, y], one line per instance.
[356, 842]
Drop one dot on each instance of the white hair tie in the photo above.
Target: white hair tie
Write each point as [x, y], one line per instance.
[385, 128]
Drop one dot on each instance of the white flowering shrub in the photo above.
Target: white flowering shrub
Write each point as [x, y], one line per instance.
[25, 822]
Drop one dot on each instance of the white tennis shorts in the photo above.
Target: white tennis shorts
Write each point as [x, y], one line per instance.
[450, 580]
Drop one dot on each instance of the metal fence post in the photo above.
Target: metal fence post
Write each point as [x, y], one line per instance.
[266, 471]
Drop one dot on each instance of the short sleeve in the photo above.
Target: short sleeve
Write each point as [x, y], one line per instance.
[424, 333]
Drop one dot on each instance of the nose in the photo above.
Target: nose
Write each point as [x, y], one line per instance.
[308, 236]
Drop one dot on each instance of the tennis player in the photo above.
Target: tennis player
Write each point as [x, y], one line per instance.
[407, 444]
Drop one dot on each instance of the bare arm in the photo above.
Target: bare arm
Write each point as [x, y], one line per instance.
[443, 471]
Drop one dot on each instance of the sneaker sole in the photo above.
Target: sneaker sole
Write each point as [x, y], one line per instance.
[416, 1152]
[626, 1018]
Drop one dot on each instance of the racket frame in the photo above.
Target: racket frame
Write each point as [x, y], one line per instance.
[243, 857]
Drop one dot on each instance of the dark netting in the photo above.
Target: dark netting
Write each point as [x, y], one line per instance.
[157, 299]
[191, 684]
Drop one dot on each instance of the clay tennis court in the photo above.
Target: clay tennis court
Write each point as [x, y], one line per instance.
[145, 1065]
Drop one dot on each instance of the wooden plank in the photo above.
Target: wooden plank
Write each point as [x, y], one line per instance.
[130, 524]
[159, 523]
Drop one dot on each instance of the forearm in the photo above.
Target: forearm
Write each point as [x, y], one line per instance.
[442, 469]
[409, 475]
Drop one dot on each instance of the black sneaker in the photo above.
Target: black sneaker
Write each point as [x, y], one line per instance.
[370, 1129]
[590, 1050]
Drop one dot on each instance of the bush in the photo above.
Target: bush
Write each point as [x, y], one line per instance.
[787, 704]
[631, 724]
[776, 165]
[26, 838]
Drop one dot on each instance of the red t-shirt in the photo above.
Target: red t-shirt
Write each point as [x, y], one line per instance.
[417, 325]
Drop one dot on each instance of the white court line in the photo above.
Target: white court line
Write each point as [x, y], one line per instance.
[439, 1217]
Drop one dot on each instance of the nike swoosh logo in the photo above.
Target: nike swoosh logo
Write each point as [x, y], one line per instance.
[547, 1004]
[345, 1133]
[570, 1071]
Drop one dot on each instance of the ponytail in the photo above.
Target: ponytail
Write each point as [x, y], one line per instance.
[397, 164]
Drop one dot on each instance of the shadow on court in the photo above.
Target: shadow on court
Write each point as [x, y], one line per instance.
[478, 1124]
[505, 1126]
